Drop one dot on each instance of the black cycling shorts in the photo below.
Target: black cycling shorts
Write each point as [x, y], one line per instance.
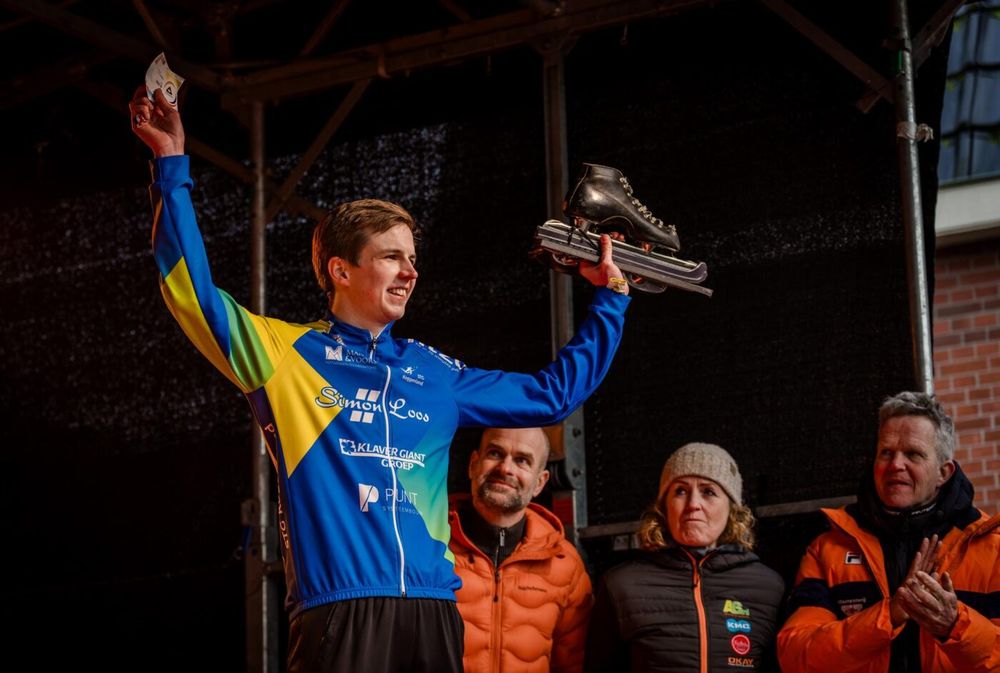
[378, 635]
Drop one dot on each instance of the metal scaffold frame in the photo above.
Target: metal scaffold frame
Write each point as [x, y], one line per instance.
[550, 27]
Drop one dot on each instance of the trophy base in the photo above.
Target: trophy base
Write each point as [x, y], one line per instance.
[565, 246]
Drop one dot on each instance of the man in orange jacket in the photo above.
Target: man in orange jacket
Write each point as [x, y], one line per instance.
[907, 579]
[525, 597]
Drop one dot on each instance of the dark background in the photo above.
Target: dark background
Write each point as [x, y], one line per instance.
[127, 455]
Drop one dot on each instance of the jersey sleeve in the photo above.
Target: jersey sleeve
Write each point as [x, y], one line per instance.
[493, 398]
[243, 346]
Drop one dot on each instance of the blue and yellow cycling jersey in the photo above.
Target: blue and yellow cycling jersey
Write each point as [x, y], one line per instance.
[359, 427]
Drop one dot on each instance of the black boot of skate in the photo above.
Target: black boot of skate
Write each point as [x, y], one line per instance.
[603, 197]
[642, 245]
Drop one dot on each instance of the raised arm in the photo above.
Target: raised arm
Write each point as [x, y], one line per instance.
[504, 399]
[241, 345]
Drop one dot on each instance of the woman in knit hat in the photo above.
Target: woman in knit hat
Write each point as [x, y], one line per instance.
[697, 599]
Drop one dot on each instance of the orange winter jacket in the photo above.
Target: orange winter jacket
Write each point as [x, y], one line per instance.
[531, 615]
[845, 625]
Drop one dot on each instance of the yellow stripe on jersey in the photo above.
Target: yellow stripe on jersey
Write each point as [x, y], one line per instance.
[300, 424]
[179, 295]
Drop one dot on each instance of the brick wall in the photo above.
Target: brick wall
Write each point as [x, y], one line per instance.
[967, 359]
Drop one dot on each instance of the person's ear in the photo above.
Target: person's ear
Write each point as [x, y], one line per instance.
[945, 471]
[542, 480]
[473, 460]
[338, 271]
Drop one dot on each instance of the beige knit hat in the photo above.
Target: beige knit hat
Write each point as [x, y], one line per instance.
[703, 460]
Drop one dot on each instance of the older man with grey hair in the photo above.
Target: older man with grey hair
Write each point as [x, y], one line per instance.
[908, 578]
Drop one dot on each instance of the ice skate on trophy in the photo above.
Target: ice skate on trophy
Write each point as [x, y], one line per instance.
[602, 202]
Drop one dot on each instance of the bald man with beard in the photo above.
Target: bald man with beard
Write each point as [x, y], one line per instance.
[525, 596]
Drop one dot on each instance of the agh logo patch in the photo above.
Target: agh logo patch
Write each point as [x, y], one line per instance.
[736, 609]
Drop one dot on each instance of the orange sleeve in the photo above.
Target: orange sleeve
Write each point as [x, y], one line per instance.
[814, 640]
[974, 644]
[570, 634]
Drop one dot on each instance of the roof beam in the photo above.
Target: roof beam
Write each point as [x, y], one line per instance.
[113, 41]
[456, 10]
[934, 30]
[49, 78]
[147, 18]
[466, 40]
[287, 188]
[21, 20]
[929, 37]
[112, 97]
[324, 26]
[872, 78]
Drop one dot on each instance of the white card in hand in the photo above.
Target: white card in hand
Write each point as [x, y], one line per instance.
[160, 76]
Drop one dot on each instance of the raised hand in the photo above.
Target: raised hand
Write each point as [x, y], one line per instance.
[924, 561]
[157, 123]
[605, 272]
[931, 602]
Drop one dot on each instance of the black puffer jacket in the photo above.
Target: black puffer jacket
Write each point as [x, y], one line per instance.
[655, 612]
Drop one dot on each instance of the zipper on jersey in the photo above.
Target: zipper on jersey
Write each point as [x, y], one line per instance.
[395, 482]
[373, 344]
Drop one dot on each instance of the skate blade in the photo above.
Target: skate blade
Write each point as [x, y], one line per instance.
[655, 268]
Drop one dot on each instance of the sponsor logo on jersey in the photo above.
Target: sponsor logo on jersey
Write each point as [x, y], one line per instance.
[852, 558]
[398, 409]
[367, 495]
[740, 644]
[738, 626]
[286, 540]
[391, 456]
[741, 662]
[452, 363]
[336, 337]
[363, 407]
[401, 496]
[736, 609]
[410, 375]
[340, 353]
